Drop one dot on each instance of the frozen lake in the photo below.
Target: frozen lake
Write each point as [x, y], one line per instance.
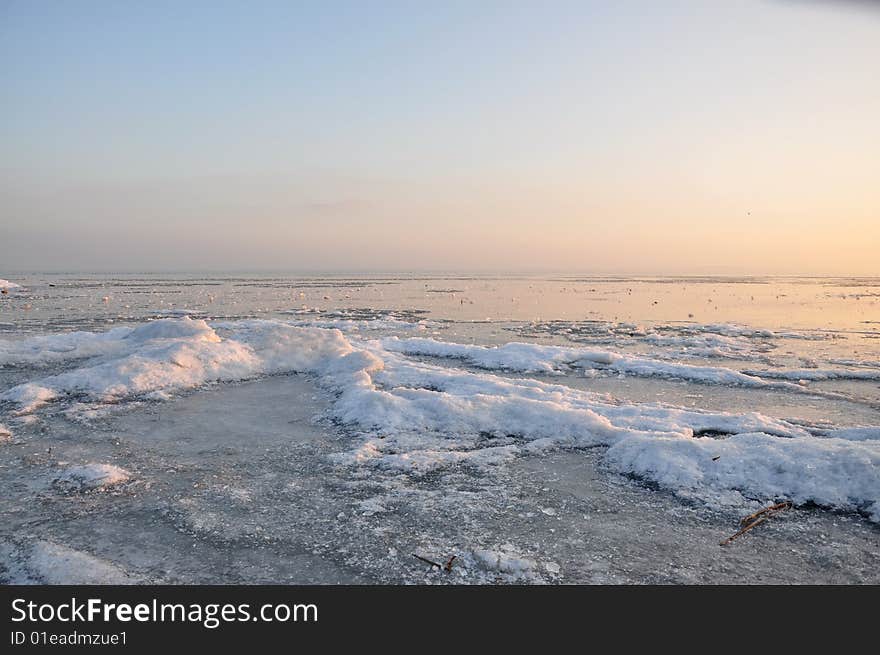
[259, 429]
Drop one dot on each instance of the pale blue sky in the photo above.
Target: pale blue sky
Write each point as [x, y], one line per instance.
[615, 136]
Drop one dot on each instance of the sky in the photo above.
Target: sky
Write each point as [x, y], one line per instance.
[686, 137]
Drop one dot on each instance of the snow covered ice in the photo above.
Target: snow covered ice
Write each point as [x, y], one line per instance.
[324, 442]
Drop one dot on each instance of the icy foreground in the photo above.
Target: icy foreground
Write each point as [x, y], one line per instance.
[415, 416]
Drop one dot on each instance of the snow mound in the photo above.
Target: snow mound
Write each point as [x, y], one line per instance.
[819, 374]
[534, 358]
[118, 342]
[835, 473]
[28, 396]
[55, 564]
[855, 434]
[91, 476]
[509, 566]
[417, 417]
[168, 354]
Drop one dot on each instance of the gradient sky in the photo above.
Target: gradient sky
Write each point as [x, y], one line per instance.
[693, 137]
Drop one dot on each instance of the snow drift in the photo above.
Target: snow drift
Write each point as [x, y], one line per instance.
[416, 416]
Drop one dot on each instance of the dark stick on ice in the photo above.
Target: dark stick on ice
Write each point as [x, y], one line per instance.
[744, 530]
[427, 561]
[773, 509]
[757, 518]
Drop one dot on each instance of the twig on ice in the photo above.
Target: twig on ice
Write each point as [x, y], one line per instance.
[757, 518]
[773, 509]
[427, 561]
